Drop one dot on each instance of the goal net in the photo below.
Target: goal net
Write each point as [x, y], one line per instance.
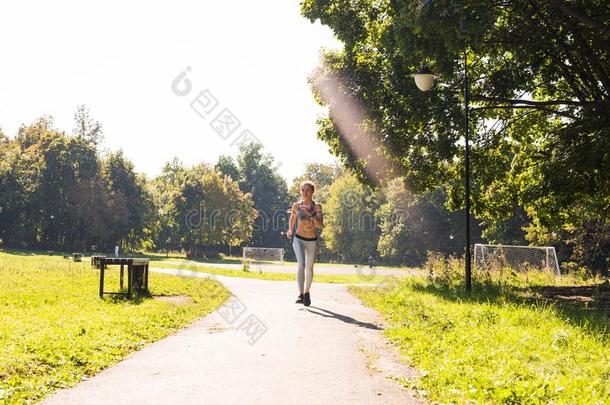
[262, 253]
[517, 257]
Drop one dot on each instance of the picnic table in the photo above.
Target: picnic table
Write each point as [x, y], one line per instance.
[137, 273]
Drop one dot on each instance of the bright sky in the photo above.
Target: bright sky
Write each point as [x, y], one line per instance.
[120, 58]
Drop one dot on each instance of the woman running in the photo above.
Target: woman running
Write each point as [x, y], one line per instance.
[305, 217]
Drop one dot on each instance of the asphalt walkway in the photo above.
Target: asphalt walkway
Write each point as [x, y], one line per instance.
[260, 348]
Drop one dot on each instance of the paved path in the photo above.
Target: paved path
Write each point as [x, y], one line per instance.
[291, 268]
[260, 348]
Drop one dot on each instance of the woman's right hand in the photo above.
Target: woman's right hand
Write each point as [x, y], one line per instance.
[289, 234]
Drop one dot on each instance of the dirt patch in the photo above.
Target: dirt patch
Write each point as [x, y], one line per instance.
[174, 299]
[595, 295]
[216, 328]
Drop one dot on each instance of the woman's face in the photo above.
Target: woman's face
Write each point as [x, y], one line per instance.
[306, 192]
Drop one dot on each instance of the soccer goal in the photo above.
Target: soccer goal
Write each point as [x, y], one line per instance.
[518, 257]
[262, 253]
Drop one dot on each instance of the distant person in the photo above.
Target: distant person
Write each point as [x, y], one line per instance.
[305, 217]
[370, 261]
[116, 251]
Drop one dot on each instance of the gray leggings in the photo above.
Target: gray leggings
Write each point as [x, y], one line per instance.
[305, 251]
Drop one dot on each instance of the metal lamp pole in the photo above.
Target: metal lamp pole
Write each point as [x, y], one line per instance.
[424, 80]
[467, 175]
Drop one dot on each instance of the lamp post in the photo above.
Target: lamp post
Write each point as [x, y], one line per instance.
[424, 80]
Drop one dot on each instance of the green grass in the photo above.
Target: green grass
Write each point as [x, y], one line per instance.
[318, 278]
[495, 346]
[56, 331]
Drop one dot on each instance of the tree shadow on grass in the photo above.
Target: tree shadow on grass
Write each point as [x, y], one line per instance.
[22, 252]
[120, 297]
[344, 318]
[590, 319]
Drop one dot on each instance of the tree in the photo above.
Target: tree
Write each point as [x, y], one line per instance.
[53, 193]
[28, 135]
[213, 211]
[413, 225]
[199, 208]
[67, 162]
[165, 191]
[259, 176]
[351, 231]
[542, 128]
[94, 215]
[124, 185]
[86, 127]
[17, 186]
[226, 165]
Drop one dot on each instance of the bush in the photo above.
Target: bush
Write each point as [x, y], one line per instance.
[444, 270]
[449, 271]
[576, 270]
[245, 265]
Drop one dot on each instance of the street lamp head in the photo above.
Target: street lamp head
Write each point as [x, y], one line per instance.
[424, 78]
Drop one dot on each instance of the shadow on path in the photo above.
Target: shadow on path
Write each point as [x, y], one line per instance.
[344, 318]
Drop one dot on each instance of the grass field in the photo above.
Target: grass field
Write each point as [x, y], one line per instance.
[497, 345]
[56, 331]
[318, 278]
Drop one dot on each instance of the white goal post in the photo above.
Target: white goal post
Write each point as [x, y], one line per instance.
[518, 257]
[263, 253]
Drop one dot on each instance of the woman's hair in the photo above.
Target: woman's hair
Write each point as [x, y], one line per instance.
[310, 184]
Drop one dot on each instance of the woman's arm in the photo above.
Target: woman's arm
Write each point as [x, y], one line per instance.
[318, 219]
[293, 217]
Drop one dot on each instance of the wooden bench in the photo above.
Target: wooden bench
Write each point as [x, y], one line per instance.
[137, 274]
[95, 261]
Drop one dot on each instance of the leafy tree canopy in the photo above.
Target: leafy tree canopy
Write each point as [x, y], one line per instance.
[350, 228]
[259, 176]
[539, 79]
